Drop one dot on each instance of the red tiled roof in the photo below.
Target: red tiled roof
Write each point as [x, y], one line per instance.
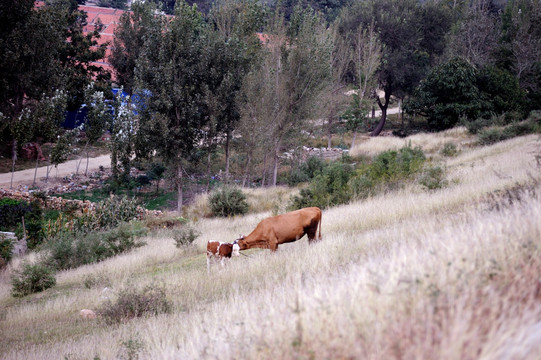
[110, 18]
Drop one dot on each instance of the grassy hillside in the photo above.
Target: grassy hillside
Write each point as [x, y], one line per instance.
[446, 274]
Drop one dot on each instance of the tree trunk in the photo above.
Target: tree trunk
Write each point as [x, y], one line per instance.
[247, 170]
[353, 140]
[14, 160]
[275, 167]
[383, 108]
[35, 171]
[329, 130]
[87, 160]
[179, 187]
[263, 179]
[49, 167]
[227, 141]
[208, 171]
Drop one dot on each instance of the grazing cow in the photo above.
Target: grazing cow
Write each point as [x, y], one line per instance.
[289, 227]
[220, 250]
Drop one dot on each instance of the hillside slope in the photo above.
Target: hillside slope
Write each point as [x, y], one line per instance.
[446, 274]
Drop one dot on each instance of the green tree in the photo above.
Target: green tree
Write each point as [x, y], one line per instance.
[520, 46]
[412, 36]
[30, 72]
[172, 72]
[233, 47]
[134, 27]
[123, 134]
[448, 93]
[97, 118]
[295, 71]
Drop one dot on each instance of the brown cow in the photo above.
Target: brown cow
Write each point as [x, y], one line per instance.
[220, 250]
[289, 227]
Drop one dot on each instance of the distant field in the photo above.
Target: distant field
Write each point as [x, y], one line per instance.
[409, 274]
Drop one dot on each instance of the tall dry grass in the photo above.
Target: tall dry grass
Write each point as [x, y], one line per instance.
[408, 274]
[371, 146]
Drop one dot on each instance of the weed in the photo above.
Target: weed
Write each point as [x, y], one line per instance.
[132, 303]
[185, 236]
[32, 278]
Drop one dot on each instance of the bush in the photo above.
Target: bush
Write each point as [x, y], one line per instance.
[32, 278]
[494, 135]
[11, 212]
[228, 201]
[338, 183]
[327, 189]
[306, 171]
[132, 303]
[433, 177]
[108, 214]
[392, 166]
[361, 187]
[185, 236]
[67, 250]
[449, 149]
[477, 125]
[6, 250]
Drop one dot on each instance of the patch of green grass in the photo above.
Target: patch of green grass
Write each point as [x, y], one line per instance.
[149, 200]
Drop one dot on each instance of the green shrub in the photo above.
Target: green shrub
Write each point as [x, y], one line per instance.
[490, 136]
[6, 250]
[132, 303]
[361, 186]
[12, 211]
[493, 135]
[477, 125]
[392, 166]
[228, 201]
[449, 149]
[338, 183]
[433, 177]
[306, 171]
[327, 189]
[32, 278]
[185, 236]
[34, 232]
[107, 214]
[68, 250]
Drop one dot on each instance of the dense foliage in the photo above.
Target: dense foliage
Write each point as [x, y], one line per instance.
[339, 182]
[228, 201]
[32, 278]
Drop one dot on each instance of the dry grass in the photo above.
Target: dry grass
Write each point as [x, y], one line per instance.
[431, 143]
[259, 200]
[408, 274]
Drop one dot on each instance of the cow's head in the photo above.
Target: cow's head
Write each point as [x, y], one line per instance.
[240, 242]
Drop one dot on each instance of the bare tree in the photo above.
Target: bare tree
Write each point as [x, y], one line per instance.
[367, 53]
[475, 38]
[333, 99]
[298, 72]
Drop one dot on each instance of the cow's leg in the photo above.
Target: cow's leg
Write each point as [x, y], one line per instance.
[311, 231]
[273, 244]
[208, 265]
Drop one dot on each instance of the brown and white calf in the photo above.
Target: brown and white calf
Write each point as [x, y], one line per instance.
[221, 251]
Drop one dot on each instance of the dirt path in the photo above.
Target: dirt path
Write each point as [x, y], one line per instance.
[24, 178]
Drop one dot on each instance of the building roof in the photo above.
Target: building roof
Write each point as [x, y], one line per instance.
[110, 18]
